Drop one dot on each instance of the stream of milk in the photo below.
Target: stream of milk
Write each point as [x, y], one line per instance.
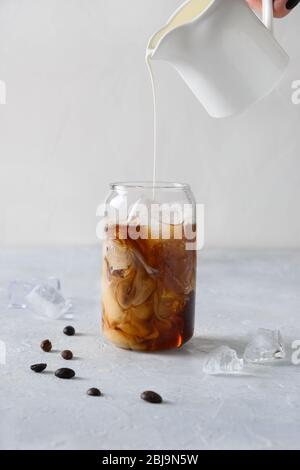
[186, 13]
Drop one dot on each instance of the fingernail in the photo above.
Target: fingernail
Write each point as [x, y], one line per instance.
[291, 4]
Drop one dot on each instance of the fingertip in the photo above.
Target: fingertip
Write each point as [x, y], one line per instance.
[281, 8]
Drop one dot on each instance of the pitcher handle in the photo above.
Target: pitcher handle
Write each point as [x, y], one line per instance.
[268, 14]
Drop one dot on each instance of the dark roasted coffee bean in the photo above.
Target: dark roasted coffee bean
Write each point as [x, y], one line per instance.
[151, 397]
[94, 392]
[46, 345]
[65, 373]
[67, 355]
[69, 330]
[38, 367]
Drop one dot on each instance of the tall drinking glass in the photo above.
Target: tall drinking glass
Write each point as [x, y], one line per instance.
[149, 266]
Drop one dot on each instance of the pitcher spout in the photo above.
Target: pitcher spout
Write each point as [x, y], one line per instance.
[161, 51]
[167, 47]
[168, 41]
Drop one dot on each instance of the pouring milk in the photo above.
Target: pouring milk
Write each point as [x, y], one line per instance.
[226, 55]
[187, 12]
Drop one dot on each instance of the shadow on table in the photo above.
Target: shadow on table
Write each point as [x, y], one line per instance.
[205, 344]
[202, 345]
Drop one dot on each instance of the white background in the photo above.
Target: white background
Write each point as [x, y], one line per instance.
[79, 115]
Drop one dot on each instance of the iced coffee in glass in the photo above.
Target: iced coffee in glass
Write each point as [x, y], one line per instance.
[149, 266]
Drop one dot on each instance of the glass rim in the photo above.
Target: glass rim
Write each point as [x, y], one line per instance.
[123, 185]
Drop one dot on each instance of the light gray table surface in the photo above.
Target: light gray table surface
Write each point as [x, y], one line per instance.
[238, 292]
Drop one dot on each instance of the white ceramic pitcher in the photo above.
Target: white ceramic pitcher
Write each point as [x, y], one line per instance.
[226, 55]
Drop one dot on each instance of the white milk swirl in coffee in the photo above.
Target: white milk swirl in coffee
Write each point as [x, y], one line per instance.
[186, 13]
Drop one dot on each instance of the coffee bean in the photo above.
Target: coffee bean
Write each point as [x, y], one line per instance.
[64, 373]
[38, 367]
[46, 345]
[94, 392]
[69, 330]
[67, 355]
[151, 397]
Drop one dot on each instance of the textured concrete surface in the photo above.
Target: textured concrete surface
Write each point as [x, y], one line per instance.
[238, 292]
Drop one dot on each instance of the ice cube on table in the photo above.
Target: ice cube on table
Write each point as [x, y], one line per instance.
[48, 302]
[266, 345]
[17, 292]
[19, 289]
[223, 360]
[55, 282]
[51, 281]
